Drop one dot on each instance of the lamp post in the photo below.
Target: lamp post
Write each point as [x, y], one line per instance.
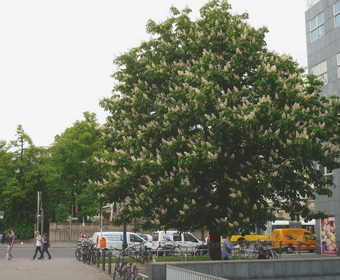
[124, 245]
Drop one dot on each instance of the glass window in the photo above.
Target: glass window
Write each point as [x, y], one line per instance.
[337, 7]
[135, 238]
[155, 236]
[309, 236]
[337, 20]
[317, 27]
[337, 13]
[320, 70]
[189, 237]
[177, 236]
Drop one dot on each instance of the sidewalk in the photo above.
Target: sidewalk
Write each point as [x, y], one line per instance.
[71, 269]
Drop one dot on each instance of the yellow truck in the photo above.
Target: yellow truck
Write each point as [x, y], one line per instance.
[291, 238]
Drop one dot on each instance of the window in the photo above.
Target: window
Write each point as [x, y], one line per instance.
[155, 236]
[317, 27]
[338, 64]
[337, 14]
[320, 70]
[177, 236]
[328, 173]
[189, 237]
[309, 236]
[135, 238]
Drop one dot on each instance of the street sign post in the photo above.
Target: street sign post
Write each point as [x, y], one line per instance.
[2, 214]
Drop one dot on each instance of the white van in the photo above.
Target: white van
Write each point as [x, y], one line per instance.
[184, 241]
[114, 239]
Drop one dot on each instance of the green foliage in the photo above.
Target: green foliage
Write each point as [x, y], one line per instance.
[24, 170]
[73, 157]
[61, 174]
[24, 230]
[208, 128]
[62, 212]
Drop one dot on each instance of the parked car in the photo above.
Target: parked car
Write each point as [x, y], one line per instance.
[174, 241]
[114, 239]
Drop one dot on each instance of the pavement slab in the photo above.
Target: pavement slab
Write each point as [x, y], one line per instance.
[70, 269]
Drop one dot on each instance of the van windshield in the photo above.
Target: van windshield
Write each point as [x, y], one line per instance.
[136, 238]
[189, 237]
[309, 236]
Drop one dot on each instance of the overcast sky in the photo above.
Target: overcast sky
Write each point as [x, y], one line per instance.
[56, 56]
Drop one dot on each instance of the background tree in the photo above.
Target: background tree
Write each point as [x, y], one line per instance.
[72, 155]
[24, 170]
[210, 129]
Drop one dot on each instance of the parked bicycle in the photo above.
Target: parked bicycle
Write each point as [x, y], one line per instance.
[170, 249]
[86, 252]
[126, 270]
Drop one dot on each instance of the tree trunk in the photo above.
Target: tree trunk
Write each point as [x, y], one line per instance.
[215, 245]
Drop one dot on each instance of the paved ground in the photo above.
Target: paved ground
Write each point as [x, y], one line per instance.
[63, 265]
[23, 269]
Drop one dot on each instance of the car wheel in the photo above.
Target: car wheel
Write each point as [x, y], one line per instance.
[290, 249]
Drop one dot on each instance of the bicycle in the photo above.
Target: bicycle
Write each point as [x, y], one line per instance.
[169, 249]
[262, 248]
[119, 266]
[130, 270]
[90, 254]
[80, 250]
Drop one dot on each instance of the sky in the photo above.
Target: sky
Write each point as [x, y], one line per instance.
[56, 56]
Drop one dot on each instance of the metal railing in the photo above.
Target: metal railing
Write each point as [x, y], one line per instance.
[177, 273]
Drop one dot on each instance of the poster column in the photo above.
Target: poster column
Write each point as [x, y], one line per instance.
[328, 236]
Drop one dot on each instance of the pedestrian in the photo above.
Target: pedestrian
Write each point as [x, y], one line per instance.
[227, 248]
[207, 239]
[9, 254]
[45, 247]
[3, 237]
[37, 245]
[13, 234]
[83, 236]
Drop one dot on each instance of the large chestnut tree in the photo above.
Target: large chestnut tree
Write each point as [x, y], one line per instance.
[208, 128]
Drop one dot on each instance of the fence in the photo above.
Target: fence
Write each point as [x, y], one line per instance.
[177, 273]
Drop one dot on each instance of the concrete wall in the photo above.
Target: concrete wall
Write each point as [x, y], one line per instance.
[306, 269]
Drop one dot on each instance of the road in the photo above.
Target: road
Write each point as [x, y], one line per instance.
[63, 265]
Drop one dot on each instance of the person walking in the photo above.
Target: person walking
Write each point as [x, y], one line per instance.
[9, 254]
[45, 247]
[37, 245]
[227, 248]
[3, 237]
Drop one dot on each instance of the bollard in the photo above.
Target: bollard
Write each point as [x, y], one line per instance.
[299, 245]
[98, 255]
[109, 263]
[280, 250]
[103, 259]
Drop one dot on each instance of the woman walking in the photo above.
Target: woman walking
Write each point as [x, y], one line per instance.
[38, 244]
[45, 246]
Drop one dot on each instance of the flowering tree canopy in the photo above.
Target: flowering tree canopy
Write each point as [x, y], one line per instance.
[208, 128]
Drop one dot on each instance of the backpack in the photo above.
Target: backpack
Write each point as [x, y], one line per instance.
[42, 240]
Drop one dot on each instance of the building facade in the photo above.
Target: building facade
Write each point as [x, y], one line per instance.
[322, 19]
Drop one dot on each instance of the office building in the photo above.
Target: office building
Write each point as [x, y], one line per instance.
[323, 52]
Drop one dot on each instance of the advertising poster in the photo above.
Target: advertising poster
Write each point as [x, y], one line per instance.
[328, 236]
